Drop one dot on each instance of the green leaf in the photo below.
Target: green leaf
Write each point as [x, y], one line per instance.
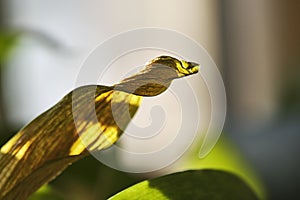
[7, 41]
[194, 184]
[45, 193]
[225, 156]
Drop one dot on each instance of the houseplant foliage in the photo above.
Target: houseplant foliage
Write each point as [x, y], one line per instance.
[52, 141]
[194, 184]
[47, 145]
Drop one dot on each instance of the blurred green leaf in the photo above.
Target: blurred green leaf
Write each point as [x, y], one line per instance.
[198, 184]
[45, 193]
[224, 156]
[7, 41]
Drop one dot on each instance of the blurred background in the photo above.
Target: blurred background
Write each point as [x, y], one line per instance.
[255, 44]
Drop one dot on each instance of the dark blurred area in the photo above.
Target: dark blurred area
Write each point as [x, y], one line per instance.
[261, 58]
[256, 45]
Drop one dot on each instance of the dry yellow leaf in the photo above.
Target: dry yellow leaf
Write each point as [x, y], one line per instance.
[87, 119]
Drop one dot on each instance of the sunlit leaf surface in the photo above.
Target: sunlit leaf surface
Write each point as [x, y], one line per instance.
[192, 185]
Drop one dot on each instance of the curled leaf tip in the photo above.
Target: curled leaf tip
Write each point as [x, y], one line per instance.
[182, 67]
[157, 76]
